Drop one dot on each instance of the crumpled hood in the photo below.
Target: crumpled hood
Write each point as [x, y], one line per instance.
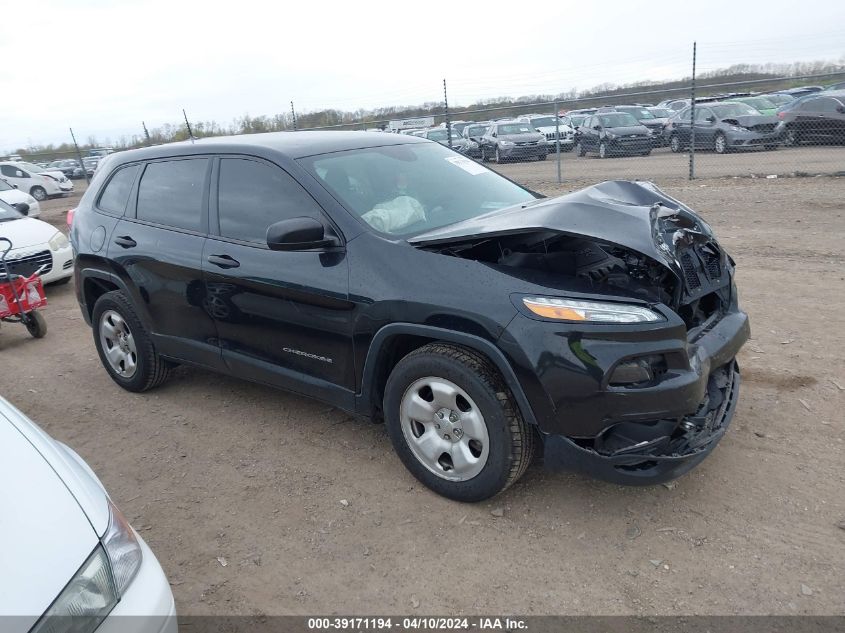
[632, 214]
[747, 120]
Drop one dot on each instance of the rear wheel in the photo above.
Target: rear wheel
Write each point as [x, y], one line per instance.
[36, 324]
[39, 193]
[454, 423]
[124, 345]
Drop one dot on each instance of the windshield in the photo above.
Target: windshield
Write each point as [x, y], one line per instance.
[30, 167]
[440, 135]
[724, 110]
[7, 213]
[660, 113]
[761, 103]
[514, 128]
[545, 121]
[409, 189]
[475, 130]
[780, 99]
[639, 113]
[617, 119]
[577, 119]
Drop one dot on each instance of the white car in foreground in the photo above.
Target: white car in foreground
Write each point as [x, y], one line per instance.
[35, 244]
[12, 195]
[71, 561]
[38, 182]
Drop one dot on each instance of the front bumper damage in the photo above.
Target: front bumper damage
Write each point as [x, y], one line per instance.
[652, 453]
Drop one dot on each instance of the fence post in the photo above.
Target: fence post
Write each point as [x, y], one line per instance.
[448, 121]
[293, 114]
[146, 133]
[79, 156]
[188, 125]
[557, 141]
[692, 119]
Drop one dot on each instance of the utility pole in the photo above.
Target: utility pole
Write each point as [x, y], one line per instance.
[446, 107]
[187, 123]
[557, 141]
[146, 133]
[692, 119]
[293, 114]
[79, 156]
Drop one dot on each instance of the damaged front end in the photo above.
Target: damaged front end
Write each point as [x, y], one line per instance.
[636, 403]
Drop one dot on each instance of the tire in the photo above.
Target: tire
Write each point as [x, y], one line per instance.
[542, 157]
[39, 193]
[36, 325]
[791, 138]
[580, 149]
[602, 150]
[484, 158]
[770, 146]
[648, 153]
[503, 441]
[149, 369]
[498, 156]
[675, 144]
[720, 143]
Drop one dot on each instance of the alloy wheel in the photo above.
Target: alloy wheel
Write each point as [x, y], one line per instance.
[118, 344]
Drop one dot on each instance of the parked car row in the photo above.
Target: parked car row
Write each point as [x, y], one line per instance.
[38, 182]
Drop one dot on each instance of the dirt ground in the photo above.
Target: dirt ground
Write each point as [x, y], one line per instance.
[238, 488]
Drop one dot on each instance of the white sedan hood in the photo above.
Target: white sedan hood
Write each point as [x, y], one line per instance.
[26, 232]
[45, 533]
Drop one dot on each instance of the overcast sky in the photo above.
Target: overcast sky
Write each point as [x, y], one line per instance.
[103, 66]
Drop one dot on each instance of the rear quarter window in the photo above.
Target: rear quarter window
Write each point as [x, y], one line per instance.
[115, 194]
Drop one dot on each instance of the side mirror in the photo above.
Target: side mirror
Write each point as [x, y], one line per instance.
[493, 135]
[23, 207]
[711, 119]
[15, 186]
[841, 109]
[299, 234]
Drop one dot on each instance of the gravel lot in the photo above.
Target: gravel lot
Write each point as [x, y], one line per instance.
[238, 488]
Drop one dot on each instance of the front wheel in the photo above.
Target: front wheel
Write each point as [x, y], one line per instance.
[454, 423]
[39, 193]
[675, 144]
[124, 345]
[581, 150]
[602, 150]
[720, 144]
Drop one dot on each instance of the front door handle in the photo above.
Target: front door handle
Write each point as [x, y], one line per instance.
[223, 261]
[125, 241]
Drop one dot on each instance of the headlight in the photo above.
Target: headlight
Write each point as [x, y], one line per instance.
[85, 601]
[58, 241]
[472, 145]
[122, 548]
[542, 141]
[735, 128]
[610, 136]
[589, 311]
[506, 143]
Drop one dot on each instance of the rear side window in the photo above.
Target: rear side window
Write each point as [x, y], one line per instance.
[254, 195]
[116, 193]
[171, 193]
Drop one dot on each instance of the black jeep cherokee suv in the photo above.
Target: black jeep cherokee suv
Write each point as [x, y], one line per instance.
[391, 276]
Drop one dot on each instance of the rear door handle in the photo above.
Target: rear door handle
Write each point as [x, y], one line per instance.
[223, 261]
[125, 241]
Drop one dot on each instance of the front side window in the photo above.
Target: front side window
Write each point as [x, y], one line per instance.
[171, 193]
[408, 189]
[253, 195]
[12, 172]
[116, 193]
